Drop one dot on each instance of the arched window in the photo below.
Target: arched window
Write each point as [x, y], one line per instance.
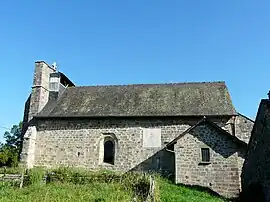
[108, 148]
[109, 151]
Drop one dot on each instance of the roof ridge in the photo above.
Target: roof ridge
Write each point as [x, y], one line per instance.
[152, 84]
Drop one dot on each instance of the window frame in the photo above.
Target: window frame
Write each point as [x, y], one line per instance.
[202, 155]
[104, 138]
[112, 155]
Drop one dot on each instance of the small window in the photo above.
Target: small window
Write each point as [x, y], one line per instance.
[205, 154]
[108, 152]
[53, 86]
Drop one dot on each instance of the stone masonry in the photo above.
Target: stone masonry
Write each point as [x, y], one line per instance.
[221, 174]
[37, 100]
[77, 143]
[59, 141]
[40, 89]
[243, 127]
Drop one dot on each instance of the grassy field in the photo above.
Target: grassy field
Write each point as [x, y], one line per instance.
[96, 191]
[173, 193]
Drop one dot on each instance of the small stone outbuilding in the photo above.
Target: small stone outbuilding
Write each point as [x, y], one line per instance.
[190, 132]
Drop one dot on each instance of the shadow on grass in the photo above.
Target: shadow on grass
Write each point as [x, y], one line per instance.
[209, 191]
[253, 194]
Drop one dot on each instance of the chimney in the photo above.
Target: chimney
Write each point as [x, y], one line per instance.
[40, 88]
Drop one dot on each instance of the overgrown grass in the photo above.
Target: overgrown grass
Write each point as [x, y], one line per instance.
[96, 192]
[170, 192]
[11, 170]
[70, 184]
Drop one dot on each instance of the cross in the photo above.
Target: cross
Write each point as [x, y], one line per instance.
[54, 65]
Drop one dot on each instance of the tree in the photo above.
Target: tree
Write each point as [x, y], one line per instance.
[10, 150]
[13, 138]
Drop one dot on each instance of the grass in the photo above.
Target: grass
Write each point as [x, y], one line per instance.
[173, 193]
[11, 170]
[96, 192]
[80, 185]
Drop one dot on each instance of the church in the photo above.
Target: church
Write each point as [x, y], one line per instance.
[189, 132]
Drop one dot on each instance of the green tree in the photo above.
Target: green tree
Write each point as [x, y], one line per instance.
[13, 137]
[10, 150]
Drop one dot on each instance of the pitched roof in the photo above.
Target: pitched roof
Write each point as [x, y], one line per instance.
[175, 99]
[205, 120]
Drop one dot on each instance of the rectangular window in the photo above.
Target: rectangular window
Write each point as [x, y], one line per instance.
[205, 154]
[53, 86]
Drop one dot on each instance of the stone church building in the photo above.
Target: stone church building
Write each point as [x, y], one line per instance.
[188, 131]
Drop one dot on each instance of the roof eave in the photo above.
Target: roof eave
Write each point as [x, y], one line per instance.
[133, 116]
[204, 119]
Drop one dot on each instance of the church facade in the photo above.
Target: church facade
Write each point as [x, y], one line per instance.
[190, 132]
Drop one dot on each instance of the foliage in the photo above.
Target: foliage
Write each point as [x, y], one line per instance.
[99, 192]
[10, 150]
[74, 184]
[11, 170]
[13, 137]
[35, 176]
[135, 183]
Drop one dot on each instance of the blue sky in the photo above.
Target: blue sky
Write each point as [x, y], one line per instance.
[139, 41]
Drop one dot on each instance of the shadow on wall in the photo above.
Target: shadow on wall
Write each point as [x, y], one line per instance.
[222, 145]
[167, 170]
[119, 122]
[162, 162]
[26, 114]
[256, 170]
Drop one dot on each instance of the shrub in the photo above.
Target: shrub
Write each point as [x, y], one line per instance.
[34, 176]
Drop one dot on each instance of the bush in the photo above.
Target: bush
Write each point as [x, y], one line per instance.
[81, 176]
[131, 181]
[11, 170]
[36, 176]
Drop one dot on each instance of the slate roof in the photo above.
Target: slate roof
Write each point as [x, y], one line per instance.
[172, 99]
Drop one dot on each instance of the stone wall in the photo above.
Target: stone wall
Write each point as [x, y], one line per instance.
[222, 173]
[34, 104]
[256, 172]
[76, 142]
[40, 89]
[60, 142]
[243, 127]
